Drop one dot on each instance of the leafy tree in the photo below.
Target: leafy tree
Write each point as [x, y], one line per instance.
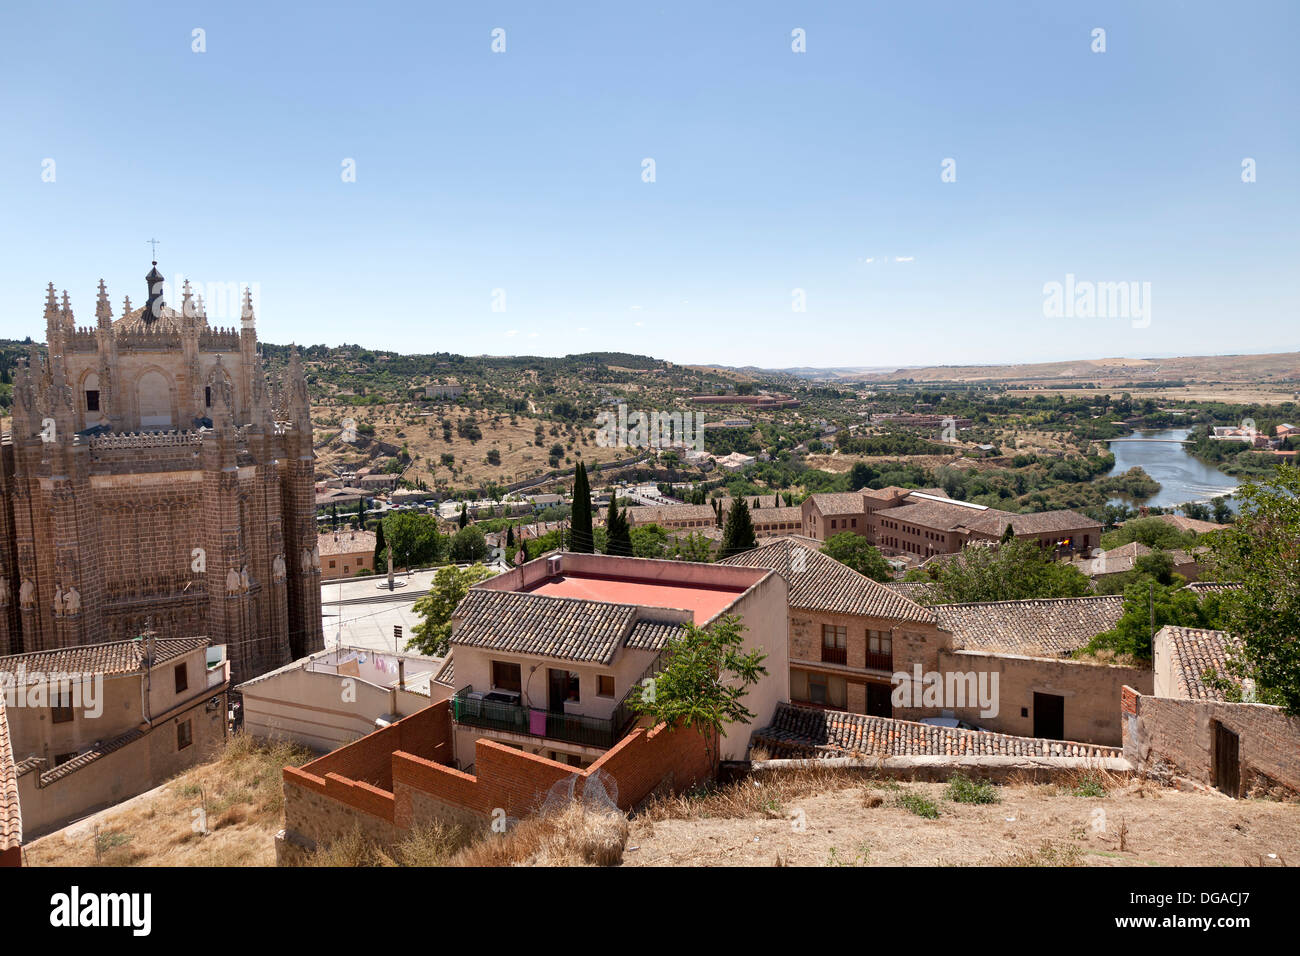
[581, 539]
[1262, 551]
[738, 535]
[693, 547]
[1152, 532]
[706, 675]
[449, 587]
[468, 544]
[1010, 572]
[415, 540]
[649, 541]
[1147, 601]
[852, 549]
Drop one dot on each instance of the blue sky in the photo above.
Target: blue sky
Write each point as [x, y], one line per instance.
[774, 171]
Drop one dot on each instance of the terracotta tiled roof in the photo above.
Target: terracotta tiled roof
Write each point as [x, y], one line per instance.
[1039, 627]
[839, 502]
[1208, 587]
[567, 628]
[653, 514]
[936, 515]
[346, 542]
[88, 757]
[912, 590]
[11, 821]
[818, 582]
[799, 730]
[993, 522]
[652, 635]
[1193, 651]
[119, 657]
[770, 515]
[447, 674]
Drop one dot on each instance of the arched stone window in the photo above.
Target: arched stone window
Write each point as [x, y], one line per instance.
[153, 391]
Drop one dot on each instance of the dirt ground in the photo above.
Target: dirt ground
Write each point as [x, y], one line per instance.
[1134, 825]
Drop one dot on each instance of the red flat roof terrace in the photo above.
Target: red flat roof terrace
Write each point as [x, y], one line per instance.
[702, 600]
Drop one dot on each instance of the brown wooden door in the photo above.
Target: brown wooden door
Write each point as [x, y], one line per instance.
[1227, 765]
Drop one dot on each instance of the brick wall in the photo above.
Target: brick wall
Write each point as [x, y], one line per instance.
[1180, 733]
[396, 778]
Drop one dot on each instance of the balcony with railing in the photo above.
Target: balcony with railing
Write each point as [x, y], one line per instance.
[880, 660]
[835, 655]
[482, 710]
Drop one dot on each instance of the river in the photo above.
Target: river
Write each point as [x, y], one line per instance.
[1182, 478]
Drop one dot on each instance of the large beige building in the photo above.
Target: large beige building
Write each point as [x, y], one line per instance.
[154, 477]
[88, 727]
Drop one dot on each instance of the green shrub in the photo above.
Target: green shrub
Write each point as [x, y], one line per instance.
[962, 789]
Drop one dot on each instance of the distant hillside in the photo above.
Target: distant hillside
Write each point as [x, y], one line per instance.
[1275, 368]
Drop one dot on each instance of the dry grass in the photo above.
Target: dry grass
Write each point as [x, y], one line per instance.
[576, 835]
[238, 795]
[860, 820]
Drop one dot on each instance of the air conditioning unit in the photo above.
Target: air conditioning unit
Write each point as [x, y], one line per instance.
[553, 564]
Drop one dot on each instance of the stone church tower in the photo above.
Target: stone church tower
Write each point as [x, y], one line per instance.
[154, 477]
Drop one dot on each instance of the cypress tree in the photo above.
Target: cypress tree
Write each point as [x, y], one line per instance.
[581, 539]
[380, 546]
[464, 515]
[739, 534]
[510, 536]
[618, 533]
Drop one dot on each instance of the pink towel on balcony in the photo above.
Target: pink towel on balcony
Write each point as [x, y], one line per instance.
[537, 723]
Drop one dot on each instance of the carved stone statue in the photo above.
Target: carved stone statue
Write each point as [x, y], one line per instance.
[58, 600]
[27, 594]
[71, 601]
[4, 592]
[244, 579]
[315, 557]
[277, 568]
[232, 581]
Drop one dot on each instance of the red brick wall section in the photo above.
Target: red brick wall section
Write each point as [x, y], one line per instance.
[506, 778]
[1128, 700]
[361, 773]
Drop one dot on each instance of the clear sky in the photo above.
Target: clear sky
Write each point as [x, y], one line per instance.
[522, 171]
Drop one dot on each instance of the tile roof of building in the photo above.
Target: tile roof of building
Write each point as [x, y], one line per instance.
[652, 635]
[797, 730]
[653, 514]
[839, 502]
[447, 673]
[912, 590]
[1207, 587]
[11, 820]
[118, 657]
[1039, 627]
[819, 582]
[1193, 651]
[346, 542]
[87, 757]
[537, 624]
[776, 515]
[994, 522]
